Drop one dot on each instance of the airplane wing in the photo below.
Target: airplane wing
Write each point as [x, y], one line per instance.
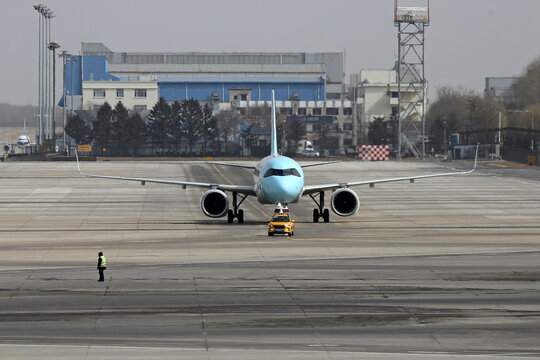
[241, 189]
[252, 167]
[310, 189]
[318, 164]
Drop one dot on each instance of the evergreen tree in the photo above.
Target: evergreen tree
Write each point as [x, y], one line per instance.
[192, 116]
[176, 125]
[79, 130]
[136, 132]
[121, 126]
[103, 127]
[209, 130]
[158, 124]
[378, 132]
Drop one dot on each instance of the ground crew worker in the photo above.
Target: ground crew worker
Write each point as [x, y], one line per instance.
[101, 265]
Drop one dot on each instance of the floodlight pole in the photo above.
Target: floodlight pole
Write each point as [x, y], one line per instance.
[53, 46]
[63, 54]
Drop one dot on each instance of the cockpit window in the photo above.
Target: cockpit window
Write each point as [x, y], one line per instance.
[281, 172]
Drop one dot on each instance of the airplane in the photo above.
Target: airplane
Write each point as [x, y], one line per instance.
[23, 140]
[277, 180]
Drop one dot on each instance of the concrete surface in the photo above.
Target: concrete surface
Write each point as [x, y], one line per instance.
[440, 269]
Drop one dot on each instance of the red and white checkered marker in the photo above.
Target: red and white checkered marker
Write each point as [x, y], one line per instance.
[373, 152]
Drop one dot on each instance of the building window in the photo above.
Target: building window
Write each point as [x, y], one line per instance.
[119, 93]
[301, 111]
[347, 111]
[395, 110]
[316, 127]
[139, 108]
[140, 93]
[285, 111]
[99, 93]
[347, 126]
[395, 94]
[331, 111]
[317, 111]
[347, 141]
[243, 97]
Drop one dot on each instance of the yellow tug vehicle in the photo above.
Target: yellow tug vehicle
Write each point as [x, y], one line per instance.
[281, 222]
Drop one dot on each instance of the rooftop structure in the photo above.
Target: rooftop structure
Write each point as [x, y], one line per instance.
[501, 89]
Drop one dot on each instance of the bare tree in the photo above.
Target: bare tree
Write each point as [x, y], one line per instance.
[227, 123]
[527, 87]
[257, 120]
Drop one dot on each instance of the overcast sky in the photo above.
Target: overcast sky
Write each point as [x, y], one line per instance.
[466, 41]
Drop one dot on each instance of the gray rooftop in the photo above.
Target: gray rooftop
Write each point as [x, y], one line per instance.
[331, 63]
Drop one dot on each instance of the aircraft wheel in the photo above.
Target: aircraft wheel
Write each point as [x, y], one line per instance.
[240, 216]
[230, 216]
[315, 215]
[326, 215]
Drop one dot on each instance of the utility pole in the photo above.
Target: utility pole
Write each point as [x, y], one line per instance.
[63, 55]
[53, 46]
[44, 72]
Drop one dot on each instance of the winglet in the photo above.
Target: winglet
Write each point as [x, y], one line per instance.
[78, 165]
[274, 149]
[475, 160]
[476, 156]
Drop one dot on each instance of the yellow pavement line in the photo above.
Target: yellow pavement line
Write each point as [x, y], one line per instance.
[231, 183]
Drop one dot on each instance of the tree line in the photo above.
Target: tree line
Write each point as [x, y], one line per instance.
[476, 117]
[182, 128]
[169, 129]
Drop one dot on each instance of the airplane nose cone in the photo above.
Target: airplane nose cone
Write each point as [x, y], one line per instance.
[283, 188]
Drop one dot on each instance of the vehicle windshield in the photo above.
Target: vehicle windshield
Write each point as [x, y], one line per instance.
[281, 218]
[281, 172]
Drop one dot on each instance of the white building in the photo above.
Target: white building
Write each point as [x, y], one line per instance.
[135, 95]
[376, 94]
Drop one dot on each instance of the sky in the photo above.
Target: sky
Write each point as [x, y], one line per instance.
[466, 41]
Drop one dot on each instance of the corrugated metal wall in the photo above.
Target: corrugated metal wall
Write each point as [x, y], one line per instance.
[172, 91]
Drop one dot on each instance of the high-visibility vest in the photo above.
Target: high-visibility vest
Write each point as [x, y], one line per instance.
[103, 261]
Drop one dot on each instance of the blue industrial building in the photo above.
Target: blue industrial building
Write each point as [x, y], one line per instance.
[220, 82]
[258, 89]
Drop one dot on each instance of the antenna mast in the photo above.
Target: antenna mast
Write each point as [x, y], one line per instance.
[412, 84]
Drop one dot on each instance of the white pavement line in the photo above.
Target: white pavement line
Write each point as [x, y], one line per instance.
[119, 352]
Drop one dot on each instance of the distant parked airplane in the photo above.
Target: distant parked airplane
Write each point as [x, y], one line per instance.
[22, 141]
[277, 180]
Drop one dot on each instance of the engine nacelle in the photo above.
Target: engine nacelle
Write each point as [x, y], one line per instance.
[214, 203]
[344, 202]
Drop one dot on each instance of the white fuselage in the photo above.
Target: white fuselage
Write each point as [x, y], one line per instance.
[23, 140]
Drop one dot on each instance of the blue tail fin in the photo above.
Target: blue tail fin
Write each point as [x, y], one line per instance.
[274, 148]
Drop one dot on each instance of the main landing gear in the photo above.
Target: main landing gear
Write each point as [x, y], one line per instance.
[320, 212]
[235, 212]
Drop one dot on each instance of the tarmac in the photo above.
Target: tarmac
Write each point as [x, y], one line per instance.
[443, 268]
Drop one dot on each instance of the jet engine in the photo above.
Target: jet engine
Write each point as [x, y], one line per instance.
[344, 202]
[214, 203]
